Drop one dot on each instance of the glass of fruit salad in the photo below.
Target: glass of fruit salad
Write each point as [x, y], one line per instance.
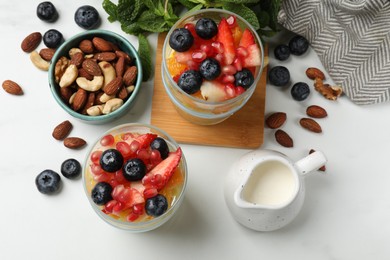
[135, 176]
[212, 62]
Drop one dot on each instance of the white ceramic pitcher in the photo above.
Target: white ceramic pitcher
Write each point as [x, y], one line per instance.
[265, 190]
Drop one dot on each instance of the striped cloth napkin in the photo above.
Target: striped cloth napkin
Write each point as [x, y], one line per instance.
[352, 40]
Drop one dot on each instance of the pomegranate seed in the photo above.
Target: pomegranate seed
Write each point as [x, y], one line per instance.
[118, 176]
[238, 64]
[192, 64]
[242, 52]
[191, 28]
[147, 180]
[96, 169]
[155, 157]
[228, 79]
[138, 209]
[132, 217]
[95, 156]
[118, 207]
[230, 90]
[134, 146]
[124, 148]
[218, 47]
[208, 49]
[108, 208]
[150, 193]
[127, 136]
[229, 69]
[232, 21]
[239, 90]
[107, 140]
[143, 154]
[219, 57]
[198, 56]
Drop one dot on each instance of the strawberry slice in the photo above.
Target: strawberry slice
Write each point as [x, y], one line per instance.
[247, 39]
[159, 176]
[145, 139]
[226, 38]
[253, 59]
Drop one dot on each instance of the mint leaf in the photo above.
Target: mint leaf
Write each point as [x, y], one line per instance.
[241, 1]
[196, 8]
[245, 12]
[111, 9]
[133, 28]
[125, 11]
[151, 22]
[145, 56]
[188, 4]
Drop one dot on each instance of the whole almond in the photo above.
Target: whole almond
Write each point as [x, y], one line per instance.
[62, 130]
[105, 56]
[86, 46]
[47, 53]
[124, 55]
[31, 42]
[310, 124]
[74, 142]
[11, 87]
[91, 67]
[130, 75]
[120, 66]
[316, 111]
[283, 138]
[66, 93]
[122, 93]
[89, 103]
[85, 74]
[323, 167]
[101, 44]
[80, 99]
[313, 73]
[77, 59]
[276, 120]
[113, 86]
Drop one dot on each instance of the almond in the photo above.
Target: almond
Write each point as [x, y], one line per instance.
[283, 138]
[322, 168]
[85, 74]
[89, 103]
[79, 99]
[66, 93]
[310, 124]
[313, 73]
[91, 67]
[47, 53]
[62, 130]
[31, 42]
[124, 55]
[86, 46]
[130, 76]
[105, 56]
[101, 44]
[74, 142]
[120, 66]
[316, 111]
[113, 86]
[77, 59]
[276, 120]
[122, 93]
[97, 98]
[12, 87]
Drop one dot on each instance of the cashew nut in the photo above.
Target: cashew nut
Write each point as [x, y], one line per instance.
[130, 89]
[95, 110]
[73, 51]
[104, 98]
[88, 56]
[109, 72]
[69, 76]
[38, 61]
[90, 85]
[71, 98]
[112, 105]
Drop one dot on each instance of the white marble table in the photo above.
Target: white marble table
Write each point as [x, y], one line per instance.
[345, 215]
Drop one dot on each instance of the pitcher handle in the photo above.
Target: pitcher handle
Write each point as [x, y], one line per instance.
[310, 163]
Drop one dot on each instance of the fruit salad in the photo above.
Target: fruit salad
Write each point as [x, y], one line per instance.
[214, 60]
[134, 176]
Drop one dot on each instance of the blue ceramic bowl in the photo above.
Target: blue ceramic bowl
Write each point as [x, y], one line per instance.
[63, 50]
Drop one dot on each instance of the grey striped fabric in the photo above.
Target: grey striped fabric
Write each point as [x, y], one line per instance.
[352, 40]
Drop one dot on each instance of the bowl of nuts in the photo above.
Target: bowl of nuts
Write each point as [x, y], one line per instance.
[95, 76]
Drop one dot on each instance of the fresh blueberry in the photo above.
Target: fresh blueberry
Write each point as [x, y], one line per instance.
[111, 160]
[244, 78]
[160, 145]
[210, 69]
[156, 206]
[52, 38]
[206, 28]
[298, 45]
[181, 40]
[101, 193]
[279, 76]
[134, 169]
[300, 91]
[46, 11]
[71, 168]
[190, 81]
[282, 52]
[87, 17]
[48, 182]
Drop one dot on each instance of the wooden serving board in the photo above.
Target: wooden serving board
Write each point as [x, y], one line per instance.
[244, 129]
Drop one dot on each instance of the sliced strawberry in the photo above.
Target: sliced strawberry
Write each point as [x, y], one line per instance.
[160, 175]
[247, 38]
[226, 38]
[253, 59]
[213, 91]
[145, 140]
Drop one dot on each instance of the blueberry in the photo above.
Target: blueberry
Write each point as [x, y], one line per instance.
[210, 69]
[52, 38]
[279, 76]
[298, 45]
[190, 81]
[206, 28]
[111, 160]
[160, 145]
[282, 52]
[300, 91]
[181, 40]
[71, 168]
[244, 78]
[48, 182]
[156, 206]
[134, 169]
[101, 193]
[46, 11]
[87, 17]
